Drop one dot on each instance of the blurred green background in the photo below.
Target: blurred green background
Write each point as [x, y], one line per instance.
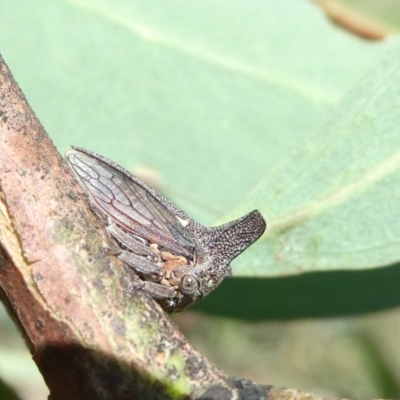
[230, 106]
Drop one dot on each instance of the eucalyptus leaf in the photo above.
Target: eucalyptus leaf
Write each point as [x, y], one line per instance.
[211, 97]
[334, 202]
[333, 209]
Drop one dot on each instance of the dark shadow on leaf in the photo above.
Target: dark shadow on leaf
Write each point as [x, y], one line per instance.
[311, 295]
[6, 393]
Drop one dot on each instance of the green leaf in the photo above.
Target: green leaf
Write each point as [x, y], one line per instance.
[334, 202]
[212, 96]
[333, 205]
[209, 94]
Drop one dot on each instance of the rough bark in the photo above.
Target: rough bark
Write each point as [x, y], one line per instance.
[90, 334]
